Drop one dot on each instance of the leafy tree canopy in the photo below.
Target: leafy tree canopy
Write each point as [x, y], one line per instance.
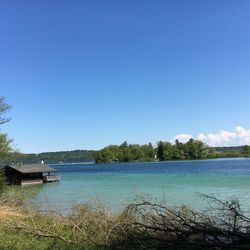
[4, 108]
[5, 143]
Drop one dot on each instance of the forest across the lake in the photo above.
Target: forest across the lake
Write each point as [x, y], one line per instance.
[163, 151]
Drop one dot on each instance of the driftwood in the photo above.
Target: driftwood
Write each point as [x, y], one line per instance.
[146, 225]
[157, 226]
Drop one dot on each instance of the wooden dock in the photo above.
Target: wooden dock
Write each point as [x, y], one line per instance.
[31, 182]
[51, 178]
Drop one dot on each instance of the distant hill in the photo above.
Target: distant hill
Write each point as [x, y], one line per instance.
[229, 149]
[234, 151]
[53, 157]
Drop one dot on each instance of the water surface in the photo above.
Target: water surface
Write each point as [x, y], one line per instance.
[176, 183]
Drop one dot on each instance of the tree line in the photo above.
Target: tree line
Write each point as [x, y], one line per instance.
[125, 153]
[164, 151]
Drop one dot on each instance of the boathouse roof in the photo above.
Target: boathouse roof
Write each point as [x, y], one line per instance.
[32, 168]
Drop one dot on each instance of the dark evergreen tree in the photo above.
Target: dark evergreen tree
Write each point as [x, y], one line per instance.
[160, 150]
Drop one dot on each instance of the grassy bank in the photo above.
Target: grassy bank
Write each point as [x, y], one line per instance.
[140, 226]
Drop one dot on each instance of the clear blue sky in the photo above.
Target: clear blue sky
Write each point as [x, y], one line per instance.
[85, 74]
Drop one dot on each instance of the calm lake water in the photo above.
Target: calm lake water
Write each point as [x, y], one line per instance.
[176, 183]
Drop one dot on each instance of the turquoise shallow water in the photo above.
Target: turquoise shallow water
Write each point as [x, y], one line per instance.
[175, 183]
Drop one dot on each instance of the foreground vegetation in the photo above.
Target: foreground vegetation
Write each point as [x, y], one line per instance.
[142, 225]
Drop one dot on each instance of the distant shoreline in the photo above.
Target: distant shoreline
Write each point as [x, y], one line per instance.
[129, 153]
[191, 160]
[71, 163]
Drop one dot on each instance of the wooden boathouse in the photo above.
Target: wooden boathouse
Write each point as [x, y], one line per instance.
[30, 174]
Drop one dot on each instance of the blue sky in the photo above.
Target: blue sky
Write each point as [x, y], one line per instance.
[85, 74]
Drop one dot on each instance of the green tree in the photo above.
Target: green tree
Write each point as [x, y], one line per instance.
[246, 150]
[4, 108]
[195, 149]
[124, 144]
[168, 152]
[148, 153]
[5, 143]
[5, 146]
[160, 150]
[178, 153]
[136, 153]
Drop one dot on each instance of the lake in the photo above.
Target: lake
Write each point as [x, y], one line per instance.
[175, 183]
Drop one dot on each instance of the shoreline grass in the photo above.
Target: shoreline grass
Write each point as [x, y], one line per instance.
[142, 225]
